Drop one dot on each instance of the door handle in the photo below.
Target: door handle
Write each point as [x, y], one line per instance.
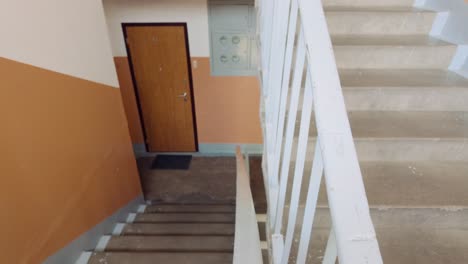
[184, 95]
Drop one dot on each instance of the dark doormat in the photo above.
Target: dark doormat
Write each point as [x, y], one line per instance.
[171, 162]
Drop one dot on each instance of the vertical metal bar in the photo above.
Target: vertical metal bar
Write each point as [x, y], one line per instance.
[299, 169]
[290, 129]
[277, 55]
[311, 204]
[285, 86]
[331, 252]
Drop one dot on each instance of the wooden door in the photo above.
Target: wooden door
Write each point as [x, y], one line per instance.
[159, 59]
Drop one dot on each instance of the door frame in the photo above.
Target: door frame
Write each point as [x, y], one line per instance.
[135, 86]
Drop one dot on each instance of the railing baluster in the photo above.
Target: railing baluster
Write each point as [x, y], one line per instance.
[299, 169]
[335, 155]
[285, 84]
[277, 55]
[311, 204]
[290, 129]
[277, 66]
[331, 252]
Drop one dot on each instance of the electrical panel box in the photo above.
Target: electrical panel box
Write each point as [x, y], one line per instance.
[232, 38]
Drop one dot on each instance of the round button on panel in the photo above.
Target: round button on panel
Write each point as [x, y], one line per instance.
[223, 40]
[223, 59]
[235, 40]
[235, 58]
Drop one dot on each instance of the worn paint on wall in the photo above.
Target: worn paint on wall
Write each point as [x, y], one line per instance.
[66, 160]
[227, 108]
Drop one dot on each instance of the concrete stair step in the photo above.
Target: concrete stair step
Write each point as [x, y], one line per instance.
[403, 4]
[401, 78]
[406, 246]
[376, 40]
[371, 56]
[414, 184]
[171, 244]
[400, 124]
[404, 184]
[402, 149]
[405, 235]
[379, 23]
[375, 8]
[404, 217]
[406, 98]
[214, 229]
[403, 90]
[185, 218]
[153, 257]
[184, 208]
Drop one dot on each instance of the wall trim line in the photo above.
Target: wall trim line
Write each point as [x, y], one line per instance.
[89, 240]
[205, 149]
[210, 148]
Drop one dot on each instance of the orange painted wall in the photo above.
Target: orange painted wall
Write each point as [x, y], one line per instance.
[66, 161]
[227, 108]
[129, 100]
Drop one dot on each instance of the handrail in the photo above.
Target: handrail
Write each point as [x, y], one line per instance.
[299, 27]
[247, 248]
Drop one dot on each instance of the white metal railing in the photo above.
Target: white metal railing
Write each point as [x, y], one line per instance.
[297, 61]
[247, 248]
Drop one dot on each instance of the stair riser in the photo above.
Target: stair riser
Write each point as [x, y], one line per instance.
[170, 244]
[367, 3]
[403, 184]
[403, 149]
[394, 57]
[388, 124]
[190, 209]
[385, 217]
[404, 99]
[184, 218]
[401, 244]
[380, 23]
[179, 229]
[172, 258]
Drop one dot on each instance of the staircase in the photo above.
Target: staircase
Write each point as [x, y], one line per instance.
[169, 233]
[409, 119]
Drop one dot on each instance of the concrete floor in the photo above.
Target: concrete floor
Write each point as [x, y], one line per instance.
[208, 180]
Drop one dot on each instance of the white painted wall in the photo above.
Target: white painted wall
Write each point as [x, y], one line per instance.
[451, 25]
[193, 12]
[65, 36]
[454, 28]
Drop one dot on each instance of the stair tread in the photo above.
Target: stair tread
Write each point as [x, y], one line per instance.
[178, 229]
[186, 218]
[171, 243]
[413, 184]
[406, 245]
[405, 124]
[190, 208]
[368, 22]
[367, 8]
[401, 78]
[153, 257]
[405, 217]
[373, 40]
